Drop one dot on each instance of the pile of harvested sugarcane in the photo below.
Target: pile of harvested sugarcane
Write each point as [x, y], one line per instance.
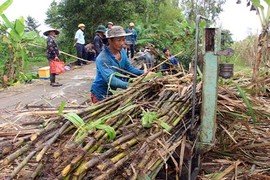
[128, 135]
[242, 147]
[132, 134]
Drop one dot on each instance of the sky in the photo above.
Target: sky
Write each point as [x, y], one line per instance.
[239, 20]
[236, 17]
[34, 8]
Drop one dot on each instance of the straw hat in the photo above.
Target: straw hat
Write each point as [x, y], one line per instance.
[81, 25]
[116, 31]
[46, 33]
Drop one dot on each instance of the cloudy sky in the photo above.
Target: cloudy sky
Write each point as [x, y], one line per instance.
[236, 18]
[239, 20]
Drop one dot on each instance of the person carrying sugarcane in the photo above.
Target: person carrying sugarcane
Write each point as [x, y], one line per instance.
[110, 64]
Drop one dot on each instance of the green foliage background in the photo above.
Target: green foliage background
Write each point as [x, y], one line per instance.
[163, 23]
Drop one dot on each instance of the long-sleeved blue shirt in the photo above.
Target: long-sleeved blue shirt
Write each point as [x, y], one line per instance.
[105, 73]
[172, 61]
[131, 39]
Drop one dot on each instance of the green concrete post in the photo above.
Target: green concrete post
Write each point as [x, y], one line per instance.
[210, 88]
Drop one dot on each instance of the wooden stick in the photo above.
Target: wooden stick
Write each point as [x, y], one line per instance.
[62, 52]
[166, 60]
[119, 69]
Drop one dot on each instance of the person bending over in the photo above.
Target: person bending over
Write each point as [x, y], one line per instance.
[112, 56]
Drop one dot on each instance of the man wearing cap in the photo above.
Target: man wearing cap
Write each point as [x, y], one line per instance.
[52, 52]
[98, 39]
[109, 25]
[79, 43]
[109, 62]
[131, 39]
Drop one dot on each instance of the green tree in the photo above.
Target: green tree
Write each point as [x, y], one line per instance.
[67, 14]
[31, 24]
[210, 9]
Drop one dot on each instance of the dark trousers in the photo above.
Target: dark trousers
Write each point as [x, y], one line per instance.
[90, 56]
[80, 53]
[131, 49]
[52, 77]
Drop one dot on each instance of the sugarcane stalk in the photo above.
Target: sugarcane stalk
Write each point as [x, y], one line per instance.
[37, 170]
[152, 173]
[99, 121]
[115, 167]
[86, 165]
[145, 159]
[185, 111]
[45, 130]
[52, 140]
[21, 140]
[16, 154]
[95, 113]
[22, 164]
[75, 162]
[107, 102]
[45, 139]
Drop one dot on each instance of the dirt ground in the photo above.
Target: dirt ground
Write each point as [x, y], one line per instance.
[75, 90]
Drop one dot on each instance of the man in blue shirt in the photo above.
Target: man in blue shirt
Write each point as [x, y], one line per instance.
[171, 64]
[112, 56]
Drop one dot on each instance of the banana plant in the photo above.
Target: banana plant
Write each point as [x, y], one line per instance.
[15, 39]
[5, 5]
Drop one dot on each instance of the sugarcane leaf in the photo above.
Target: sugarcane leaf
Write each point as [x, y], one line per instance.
[120, 75]
[75, 119]
[115, 92]
[109, 130]
[123, 109]
[158, 74]
[236, 114]
[148, 118]
[166, 126]
[246, 101]
[61, 107]
[79, 134]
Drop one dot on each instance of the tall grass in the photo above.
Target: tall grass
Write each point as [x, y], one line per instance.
[244, 55]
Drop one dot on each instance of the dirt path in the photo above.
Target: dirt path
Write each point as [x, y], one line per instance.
[75, 90]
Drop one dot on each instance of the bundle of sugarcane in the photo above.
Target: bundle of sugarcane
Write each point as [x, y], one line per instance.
[130, 134]
[242, 145]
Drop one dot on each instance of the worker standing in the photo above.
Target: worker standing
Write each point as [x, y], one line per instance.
[52, 52]
[79, 44]
[98, 39]
[131, 40]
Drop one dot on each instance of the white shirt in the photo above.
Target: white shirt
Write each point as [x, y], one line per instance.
[80, 37]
